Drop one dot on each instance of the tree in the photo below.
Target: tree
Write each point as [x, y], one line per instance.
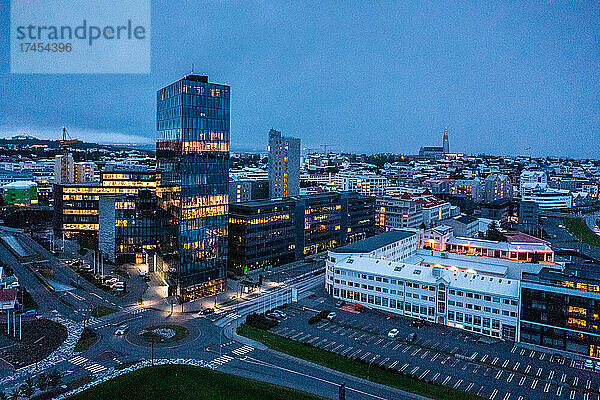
[493, 233]
[54, 378]
[3, 395]
[42, 381]
[28, 388]
[15, 394]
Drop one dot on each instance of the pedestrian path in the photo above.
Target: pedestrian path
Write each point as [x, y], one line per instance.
[133, 310]
[221, 360]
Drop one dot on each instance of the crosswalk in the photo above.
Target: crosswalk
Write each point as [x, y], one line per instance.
[134, 310]
[243, 350]
[221, 360]
[227, 319]
[93, 367]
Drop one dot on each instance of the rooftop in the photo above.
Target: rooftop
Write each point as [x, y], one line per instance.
[374, 242]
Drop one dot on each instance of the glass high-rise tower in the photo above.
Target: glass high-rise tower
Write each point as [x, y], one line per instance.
[192, 153]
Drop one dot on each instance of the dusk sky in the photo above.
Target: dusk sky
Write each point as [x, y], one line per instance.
[357, 76]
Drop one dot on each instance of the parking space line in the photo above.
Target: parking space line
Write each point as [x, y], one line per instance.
[414, 370]
[547, 387]
[384, 361]
[516, 366]
[480, 390]
[522, 351]
[532, 354]
[435, 357]
[470, 386]
[522, 381]
[534, 383]
[507, 396]
[563, 378]
[551, 375]
[425, 354]
[542, 356]
[575, 381]
[499, 374]
[495, 360]
[513, 349]
[355, 353]
[404, 367]
[379, 341]
[572, 395]
[365, 355]
[406, 349]
[348, 349]
[392, 365]
[387, 344]
[396, 346]
[485, 357]
[337, 347]
[527, 368]
[446, 380]
[510, 378]
[437, 375]
[504, 364]
[414, 353]
[588, 384]
[559, 390]
[494, 393]
[457, 384]
[464, 368]
[539, 372]
[424, 374]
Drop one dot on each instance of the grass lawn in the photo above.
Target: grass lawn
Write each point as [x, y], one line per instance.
[184, 382]
[334, 361]
[180, 333]
[87, 339]
[581, 231]
[40, 338]
[101, 311]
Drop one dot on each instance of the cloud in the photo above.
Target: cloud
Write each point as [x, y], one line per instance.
[83, 134]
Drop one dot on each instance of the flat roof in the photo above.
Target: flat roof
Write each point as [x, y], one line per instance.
[425, 274]
[502, 246]
[374, 242]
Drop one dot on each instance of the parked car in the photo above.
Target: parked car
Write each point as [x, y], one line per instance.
[339, 303]
[121, 330]
[279, 314]
[393, 333]
[208, 311]
[29, 313]
[331, 316]
[597, 366]
[588, 364]
[412, 337]
[557, 357]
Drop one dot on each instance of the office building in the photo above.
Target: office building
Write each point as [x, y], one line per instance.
[244, 189]
[284, 165]
[20, 193]
[192, 154]
[396, 212]
[560, 309]
[268, 233]
[550, 199]
[529, 217]
[78, 212]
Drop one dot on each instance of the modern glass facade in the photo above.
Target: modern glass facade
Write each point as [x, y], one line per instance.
[192, 153]
[561, 310]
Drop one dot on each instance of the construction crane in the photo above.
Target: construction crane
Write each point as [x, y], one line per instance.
[66, 142]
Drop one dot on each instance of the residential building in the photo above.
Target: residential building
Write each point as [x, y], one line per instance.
[532, 180]
[284, 165]
[497, 187]
[84, 172]
[64, 169]
[363, 182]
[470, 188]
[192, 154]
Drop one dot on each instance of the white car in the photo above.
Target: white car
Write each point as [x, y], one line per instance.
[331, 316]
[393, 333]
[588, 364]
[121, 330]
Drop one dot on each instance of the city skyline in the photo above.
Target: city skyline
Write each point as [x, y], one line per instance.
[417, 70]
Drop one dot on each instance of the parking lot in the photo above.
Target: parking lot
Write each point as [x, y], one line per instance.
[447, 356]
